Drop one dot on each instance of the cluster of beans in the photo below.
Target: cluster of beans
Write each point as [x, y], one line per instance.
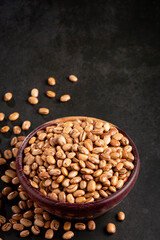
[27, 217]
[78, 161]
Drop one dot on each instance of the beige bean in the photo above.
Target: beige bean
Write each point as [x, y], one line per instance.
[26, 222]
[91, 186]
[6, 227]
[79, 193]
[2, 219]
[65, 98]
[70, 198]
[2, 116]
[91, 225]
[80, 226]
[103, 193]
[50, 94]
[8, 96]
[26, 125]
[2, 161]
[34, 92]
[49, 234]
[38, 222]
[114, 180]
[55, 225]
[14, 116]
[18, 226]
[67, 226]
[121, 216]
[35, 230]
[15, 209]
[111, 228]
[119, 184]
[6, 191]
[5, 129]
[68, 235]
[73, 78]
[43, 111]
[33, 100]
[12, 195]
[24, 233]
[81, 199]
[51, 81]
[62, 197]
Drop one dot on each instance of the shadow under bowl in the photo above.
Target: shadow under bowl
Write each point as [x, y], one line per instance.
[76, 210]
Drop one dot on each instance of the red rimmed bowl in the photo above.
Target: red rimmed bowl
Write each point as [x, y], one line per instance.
[75, 210]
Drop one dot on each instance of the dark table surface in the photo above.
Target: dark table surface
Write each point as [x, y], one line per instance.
[113, 48]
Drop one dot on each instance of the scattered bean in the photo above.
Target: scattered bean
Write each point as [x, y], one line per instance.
[7, 96]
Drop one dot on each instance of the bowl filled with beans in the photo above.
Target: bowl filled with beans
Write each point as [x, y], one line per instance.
[77, 167]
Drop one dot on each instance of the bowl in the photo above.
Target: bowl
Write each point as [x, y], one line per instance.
[75, 210]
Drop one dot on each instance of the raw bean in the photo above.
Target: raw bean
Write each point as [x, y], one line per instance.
[38, 223]
[91, 225]
[17, 216]
[80, 199]
[35, 230]
[16, 209]
[13, 165]
[6, 227]
[65, 98]
[68, 235]
[67, 226]
[7, 96]
[70, 198]
[55, 225]
[50, 94]
[34, 92]
[47, 224]
[51, 81]
[18, 226]
[2, 219]
[91, 186]
[43, 111]
[10, 173]
[80, 226]
[15, 180]
[119, 184]
[33, 100]
[62, 197]
[23, 195]
[16, 130]
[29, 214]
[26, 125]
[78, 193]
[6, 179]
[6, 191]
[49, 234]
[121, 216]
[2, 116]
[2, 161]
[24, 233]
[114, 180]
[13, 141]
[7, 154]
[73, 78]
[14, 116]
[26, 222]
[111, 228]
[5, 129]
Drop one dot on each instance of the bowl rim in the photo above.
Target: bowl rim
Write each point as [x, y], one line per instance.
[48, 201]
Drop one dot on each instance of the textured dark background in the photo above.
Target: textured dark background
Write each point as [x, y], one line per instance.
[113, 48]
